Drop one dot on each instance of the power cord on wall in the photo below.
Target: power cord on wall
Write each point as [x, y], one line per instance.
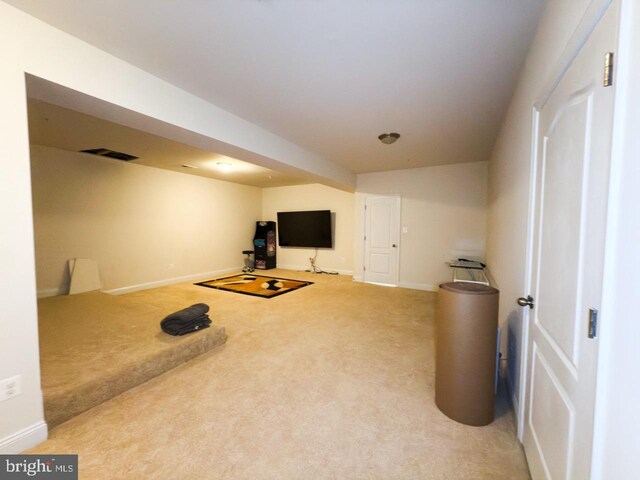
[315, 269]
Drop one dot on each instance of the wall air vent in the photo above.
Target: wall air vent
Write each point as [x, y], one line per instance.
[105, 152]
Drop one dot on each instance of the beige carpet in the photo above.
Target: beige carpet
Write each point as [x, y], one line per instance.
[332, 381]
[94, 346]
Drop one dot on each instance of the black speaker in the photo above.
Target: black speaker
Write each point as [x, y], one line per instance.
[264, 245]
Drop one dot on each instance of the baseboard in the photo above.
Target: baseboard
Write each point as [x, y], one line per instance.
[414, 286]
[24, 439]
[306, 267]
[51, 292]
[514, 403]
[419, 286]
[171, 281]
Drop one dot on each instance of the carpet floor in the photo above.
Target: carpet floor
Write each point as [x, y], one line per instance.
[334, 380]
[94, 346]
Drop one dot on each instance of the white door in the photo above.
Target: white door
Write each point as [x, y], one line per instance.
[381, 242]
[572, 168]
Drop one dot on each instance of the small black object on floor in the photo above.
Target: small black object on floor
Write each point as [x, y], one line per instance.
[187, 320]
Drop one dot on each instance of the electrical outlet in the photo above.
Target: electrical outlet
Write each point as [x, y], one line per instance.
[10, 387]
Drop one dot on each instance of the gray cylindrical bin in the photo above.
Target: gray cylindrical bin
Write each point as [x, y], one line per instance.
[467, 324]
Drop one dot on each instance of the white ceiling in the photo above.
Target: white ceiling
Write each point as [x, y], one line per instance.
[329, 75]
[55, 126]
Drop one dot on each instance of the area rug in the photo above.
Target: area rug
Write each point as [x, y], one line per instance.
[256, 285]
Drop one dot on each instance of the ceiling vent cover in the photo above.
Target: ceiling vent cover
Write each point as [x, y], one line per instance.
[105, 152]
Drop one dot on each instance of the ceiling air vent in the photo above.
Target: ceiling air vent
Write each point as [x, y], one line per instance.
[105, 152]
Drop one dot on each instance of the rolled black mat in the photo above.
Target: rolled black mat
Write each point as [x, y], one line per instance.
[186, 320]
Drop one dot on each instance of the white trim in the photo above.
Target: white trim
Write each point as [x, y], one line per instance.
[624, 145]
[171, 281]
[51, 292]
[419, 286]
[366, 199]
[304, 268]
[413, 286]
[358, 243]
[520, 402]
[512, 395]
[24, 439]
[592, 15]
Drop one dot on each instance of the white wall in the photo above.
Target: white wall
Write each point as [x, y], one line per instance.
[315, 197]
[444, 212]
[21, 418]
[509, 175]
[30, 46]
[142, 225]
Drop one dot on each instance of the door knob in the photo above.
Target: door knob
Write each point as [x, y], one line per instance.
[393, 245]
[525, 302]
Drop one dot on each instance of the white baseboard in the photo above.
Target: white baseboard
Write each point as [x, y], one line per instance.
[419, 286]
[24, 439]
[414, 286]
[51, 292]
[514, 402]
[306, 267]
[171, 281]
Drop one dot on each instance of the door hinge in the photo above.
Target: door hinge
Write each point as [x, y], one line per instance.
[608, 69]
[593, 323]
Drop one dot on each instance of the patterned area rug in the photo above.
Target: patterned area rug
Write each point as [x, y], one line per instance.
[256, 285]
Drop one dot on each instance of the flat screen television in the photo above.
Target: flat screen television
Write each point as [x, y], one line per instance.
[305, 229]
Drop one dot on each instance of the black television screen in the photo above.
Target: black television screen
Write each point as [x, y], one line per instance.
[305, 229]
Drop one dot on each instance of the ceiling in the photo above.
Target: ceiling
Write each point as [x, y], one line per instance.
[329, 75]
[66, 129]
